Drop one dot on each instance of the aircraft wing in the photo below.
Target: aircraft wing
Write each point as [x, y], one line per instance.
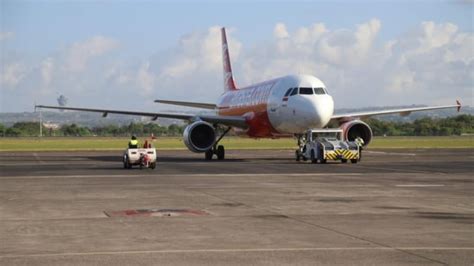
[189, 104]
[233, 121]
[402, 112]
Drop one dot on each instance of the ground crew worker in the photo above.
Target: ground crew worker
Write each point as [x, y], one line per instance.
[360, 143]
[147, 145]
[133, 143]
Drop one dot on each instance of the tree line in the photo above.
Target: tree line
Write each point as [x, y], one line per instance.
[32, 129]
[457, 125]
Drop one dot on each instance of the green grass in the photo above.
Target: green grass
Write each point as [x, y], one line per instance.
[422, 142]
[101, 143]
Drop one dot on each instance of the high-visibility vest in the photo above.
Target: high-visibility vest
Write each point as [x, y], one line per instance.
[133, 142]
[359, 141]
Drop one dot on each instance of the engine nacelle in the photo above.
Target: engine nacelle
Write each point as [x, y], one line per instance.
[199, 136]
[357, 128]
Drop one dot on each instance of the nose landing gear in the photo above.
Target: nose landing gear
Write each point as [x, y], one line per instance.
[301, 147]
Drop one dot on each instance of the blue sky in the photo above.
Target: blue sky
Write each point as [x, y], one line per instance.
[146, 35]
[147, 26]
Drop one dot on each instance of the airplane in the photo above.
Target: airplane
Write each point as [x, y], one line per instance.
[282, 107]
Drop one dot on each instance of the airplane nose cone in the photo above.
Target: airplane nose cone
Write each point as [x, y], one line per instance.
[318, 110]
[325, 107]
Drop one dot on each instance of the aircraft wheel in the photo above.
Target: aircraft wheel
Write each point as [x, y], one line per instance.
[313, 157]
[208, 154]
[152, 165]
[321, 155]
[220, 152]
[125, 163]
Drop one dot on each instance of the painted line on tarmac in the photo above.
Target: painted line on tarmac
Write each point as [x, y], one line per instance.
[390, 153]
[38, 158]
[420, 185]
[395, 170]
[181, 175]
[43, 163]
[170, 251]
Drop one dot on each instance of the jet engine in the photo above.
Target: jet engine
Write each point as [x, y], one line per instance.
[199, 136]
[357, 128]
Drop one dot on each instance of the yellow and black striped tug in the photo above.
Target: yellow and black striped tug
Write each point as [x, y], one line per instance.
[341, 154]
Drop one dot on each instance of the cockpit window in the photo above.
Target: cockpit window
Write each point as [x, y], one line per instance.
[288, 92]
[319, 91]
[307, 91]
[294, 92]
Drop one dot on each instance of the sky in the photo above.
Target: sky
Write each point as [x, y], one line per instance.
[125, 54]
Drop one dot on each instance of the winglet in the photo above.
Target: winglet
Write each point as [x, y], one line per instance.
[459, 105]
[229, 83]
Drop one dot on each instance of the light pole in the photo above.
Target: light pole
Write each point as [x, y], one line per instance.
[40, 123]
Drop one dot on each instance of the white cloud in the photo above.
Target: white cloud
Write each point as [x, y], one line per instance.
[81, 52]
[199, 52]
[432, 63]
[343, 47]
[6, 35]
[461, 49]
[47, 69]
[426, 65]
[436, 35]
[145, 79]
[280, 31]
[12, 74]
[309, 35]
[365, 36]
[401, 81]
[194, 69]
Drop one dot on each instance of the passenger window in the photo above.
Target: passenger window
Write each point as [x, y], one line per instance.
[307, 91]
[288, 92]
[294, 92]
[319, 91]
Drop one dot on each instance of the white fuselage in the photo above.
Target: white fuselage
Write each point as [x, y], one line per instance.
[271, 113]
[299, 112]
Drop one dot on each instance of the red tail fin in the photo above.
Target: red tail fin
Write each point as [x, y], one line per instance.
[229, 83]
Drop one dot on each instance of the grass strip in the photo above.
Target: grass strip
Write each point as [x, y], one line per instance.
[169, 143]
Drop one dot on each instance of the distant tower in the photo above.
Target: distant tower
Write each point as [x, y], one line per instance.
[62, 100]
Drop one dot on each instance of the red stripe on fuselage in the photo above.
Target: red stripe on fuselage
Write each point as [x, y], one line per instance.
[251, 103]
[257, 120]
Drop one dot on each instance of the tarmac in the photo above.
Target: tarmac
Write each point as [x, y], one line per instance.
[395, 207]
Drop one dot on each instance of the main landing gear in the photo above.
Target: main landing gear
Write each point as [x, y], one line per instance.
[218, 150]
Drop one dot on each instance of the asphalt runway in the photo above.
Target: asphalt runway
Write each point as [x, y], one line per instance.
[396, 207]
